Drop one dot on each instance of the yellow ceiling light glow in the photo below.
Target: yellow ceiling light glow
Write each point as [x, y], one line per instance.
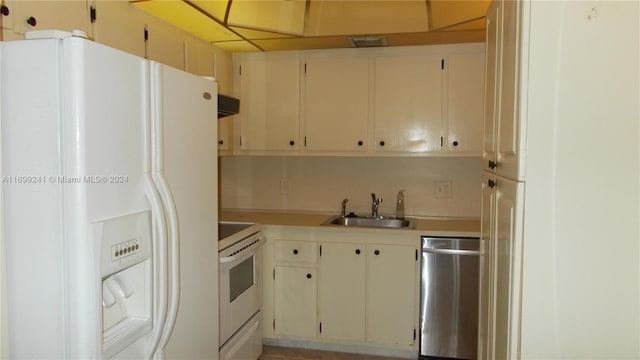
[188, 18]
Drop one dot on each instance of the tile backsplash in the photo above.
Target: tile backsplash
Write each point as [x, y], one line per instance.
[318, 184]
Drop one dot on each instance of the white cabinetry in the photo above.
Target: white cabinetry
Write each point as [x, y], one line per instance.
[295, 289]
[46, 15]
[269, 103]
[120, 25]
[367, 293]
[336, 103]
[165, 43]
[503, 134]
[503, 188]
[465, 80]
[342, 291]
[408, 103]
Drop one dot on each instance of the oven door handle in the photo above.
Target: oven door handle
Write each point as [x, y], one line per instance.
[234, 257]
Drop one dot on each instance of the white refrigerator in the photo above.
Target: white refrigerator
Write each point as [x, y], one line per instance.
[109, 177]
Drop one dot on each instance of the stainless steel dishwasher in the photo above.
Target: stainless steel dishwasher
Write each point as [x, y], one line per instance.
[449, 297]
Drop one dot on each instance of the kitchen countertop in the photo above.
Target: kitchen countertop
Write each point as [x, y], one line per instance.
[470, 227]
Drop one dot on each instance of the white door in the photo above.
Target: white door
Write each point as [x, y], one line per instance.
[296, 301]
[408, 103]
[491, 85]
[185, 138]
[391, 294]
[336, 104]
[341, 291]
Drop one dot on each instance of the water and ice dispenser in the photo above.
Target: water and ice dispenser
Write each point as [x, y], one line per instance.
[126, 272]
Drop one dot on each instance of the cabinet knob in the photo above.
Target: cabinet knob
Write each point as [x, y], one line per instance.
[358, 251]
[491, 183]
[292, 142]
[221, 142]
[455, 143]
[32, 21]
[492, 164]
[4, 10]
[295, 251]
[382, 143]
[377, 252]
[308, 276]
[360, 143]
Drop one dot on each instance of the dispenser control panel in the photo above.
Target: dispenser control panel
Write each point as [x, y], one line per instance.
[125, 248]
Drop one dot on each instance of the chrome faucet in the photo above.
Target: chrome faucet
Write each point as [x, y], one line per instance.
[343, 212]
[375, 203]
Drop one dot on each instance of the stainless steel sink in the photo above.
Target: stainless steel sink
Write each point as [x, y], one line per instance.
[381, 222]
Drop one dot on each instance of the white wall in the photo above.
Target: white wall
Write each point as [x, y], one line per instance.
[581, 263]
[318, 184]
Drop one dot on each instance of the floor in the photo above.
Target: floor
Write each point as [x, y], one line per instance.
[283, 353]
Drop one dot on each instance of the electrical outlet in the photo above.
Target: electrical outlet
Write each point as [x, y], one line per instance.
[442, 189]
[284, 186]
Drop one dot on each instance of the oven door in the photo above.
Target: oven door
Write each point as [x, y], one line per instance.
[240, 285]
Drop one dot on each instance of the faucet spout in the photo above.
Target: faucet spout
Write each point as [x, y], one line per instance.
[343, 212]
[375, 204]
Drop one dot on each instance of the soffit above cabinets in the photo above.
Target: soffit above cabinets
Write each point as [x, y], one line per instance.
[272, 25]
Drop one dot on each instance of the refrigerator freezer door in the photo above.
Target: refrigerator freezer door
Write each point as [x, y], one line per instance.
[184, 127]
[76, 131]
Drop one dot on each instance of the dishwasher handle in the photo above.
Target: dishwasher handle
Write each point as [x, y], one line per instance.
[451, 251]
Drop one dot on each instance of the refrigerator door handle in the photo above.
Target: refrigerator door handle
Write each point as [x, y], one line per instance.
[159, 269]
[451, 251]
[173, 260]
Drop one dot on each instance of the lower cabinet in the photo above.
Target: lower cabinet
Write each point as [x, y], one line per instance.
[346, 288]
[367, 293]
[295, 301]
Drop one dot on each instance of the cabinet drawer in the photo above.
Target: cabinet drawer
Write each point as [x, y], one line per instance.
[287, 251]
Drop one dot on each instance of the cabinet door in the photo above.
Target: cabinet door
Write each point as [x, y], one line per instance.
[493, 26]
[165, 43]
[408, 103]
[199, 57]
[391, 294]
[295, 301]
[508, 133]
[342, 291]
[507, 251]
[487, 268]
[49, 15]
[269, 103]
[465, 101]
[336, 104]
[120, 25]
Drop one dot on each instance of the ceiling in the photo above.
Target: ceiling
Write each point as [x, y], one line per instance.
[272, 25]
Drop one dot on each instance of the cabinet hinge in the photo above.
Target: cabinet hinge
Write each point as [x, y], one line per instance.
[442, 64]
[240, 140]
[305, 68]
[320, 250]
[414, 334]
[305, 141]
[321, 327]
[240, 70]
[416, 254]
[441, 141]
[92, 14]
[274, 326]
[274, 273]
[146, 34]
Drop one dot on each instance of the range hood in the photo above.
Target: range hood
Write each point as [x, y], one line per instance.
[227, 106]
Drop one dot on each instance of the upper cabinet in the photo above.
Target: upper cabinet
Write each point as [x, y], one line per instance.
[465, 84]
[268, 88]
[336, 103]
[23, 16]
[502, 131]
[408, 103]
[120, 25]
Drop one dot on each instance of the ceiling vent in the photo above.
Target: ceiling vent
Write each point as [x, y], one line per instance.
[367, 41]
